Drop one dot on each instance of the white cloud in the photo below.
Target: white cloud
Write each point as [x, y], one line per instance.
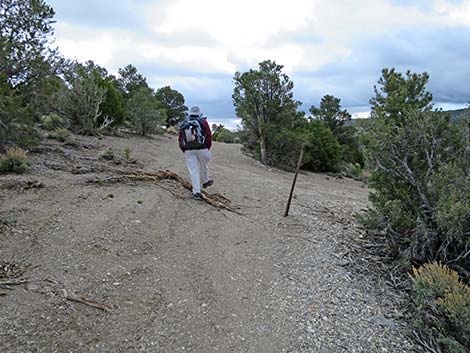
[241, 29]
[455, 14]
[229, 123]
[233, 23]
[110, 48]
[197, 58]
[361, 115]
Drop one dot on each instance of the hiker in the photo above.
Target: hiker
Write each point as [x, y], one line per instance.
[195, 140]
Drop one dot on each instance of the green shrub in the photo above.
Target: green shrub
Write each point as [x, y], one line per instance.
[284, 148]
[323, 152]
[352, 170]
[348, 138]
[420, 187]
[127, 153]
[443, 304]
[14, 161]
[81, 104]
[52, 122]
[108, 154]
[61, 134]
[224, 135]
[72, 143]
[146, 115]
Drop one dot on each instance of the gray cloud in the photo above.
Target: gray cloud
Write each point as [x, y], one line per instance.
[442, 52]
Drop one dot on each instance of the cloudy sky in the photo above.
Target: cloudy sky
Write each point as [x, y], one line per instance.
[334, 47]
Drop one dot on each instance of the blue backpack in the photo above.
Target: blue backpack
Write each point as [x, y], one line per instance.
[193, 134]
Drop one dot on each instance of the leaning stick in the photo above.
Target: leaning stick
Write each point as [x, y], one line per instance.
[299, 162]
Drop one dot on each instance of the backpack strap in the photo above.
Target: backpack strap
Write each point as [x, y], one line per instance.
[201, 123]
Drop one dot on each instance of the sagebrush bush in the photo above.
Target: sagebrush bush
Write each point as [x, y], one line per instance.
[14, 161]
[52, 122]
[82, 105]
[443, 304]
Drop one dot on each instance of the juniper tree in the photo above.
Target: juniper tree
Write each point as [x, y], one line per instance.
[173, 102]
[420, 174]
[263, 99]
[27, 62]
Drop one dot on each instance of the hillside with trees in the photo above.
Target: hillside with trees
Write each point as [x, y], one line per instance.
[38, 84]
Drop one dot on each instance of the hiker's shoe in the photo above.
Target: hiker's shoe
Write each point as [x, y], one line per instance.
[208, 183]
[197, 196]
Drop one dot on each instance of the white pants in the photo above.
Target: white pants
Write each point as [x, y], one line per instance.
[196, 161]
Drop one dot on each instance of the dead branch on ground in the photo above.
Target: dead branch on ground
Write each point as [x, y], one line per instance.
[215, 200]
[13, 282]
[81, 299]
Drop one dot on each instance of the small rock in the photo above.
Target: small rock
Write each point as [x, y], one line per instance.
[383, 321]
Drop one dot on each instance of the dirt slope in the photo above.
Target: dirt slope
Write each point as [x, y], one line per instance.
[178, 275]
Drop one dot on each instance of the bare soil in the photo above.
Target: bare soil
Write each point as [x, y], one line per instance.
[156, 271]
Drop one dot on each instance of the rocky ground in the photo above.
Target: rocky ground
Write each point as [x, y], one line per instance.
[140, 266]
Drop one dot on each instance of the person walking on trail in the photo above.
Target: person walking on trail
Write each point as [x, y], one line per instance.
[195, 140]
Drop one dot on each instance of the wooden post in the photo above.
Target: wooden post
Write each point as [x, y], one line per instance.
[286, 213]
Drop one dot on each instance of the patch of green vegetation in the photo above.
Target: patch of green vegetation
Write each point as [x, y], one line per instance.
[61, 134]
[108, 154]
[52, 122]
[127, 153]
[8, 221]
[442, 303]
[14, 161]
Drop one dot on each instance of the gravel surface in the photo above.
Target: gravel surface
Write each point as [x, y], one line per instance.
[177, 275]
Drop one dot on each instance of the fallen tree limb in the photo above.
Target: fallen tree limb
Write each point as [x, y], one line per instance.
[86, 301]
[215, 200]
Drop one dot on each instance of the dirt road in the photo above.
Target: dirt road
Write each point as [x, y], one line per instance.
[177, 275]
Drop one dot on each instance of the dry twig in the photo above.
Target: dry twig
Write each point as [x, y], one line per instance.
[14, 282]
[81, 299]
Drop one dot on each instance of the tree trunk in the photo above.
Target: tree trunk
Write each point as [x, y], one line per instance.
[262, 143]
[262, 138]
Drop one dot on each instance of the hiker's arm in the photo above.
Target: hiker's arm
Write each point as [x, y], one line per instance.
[208, 134]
